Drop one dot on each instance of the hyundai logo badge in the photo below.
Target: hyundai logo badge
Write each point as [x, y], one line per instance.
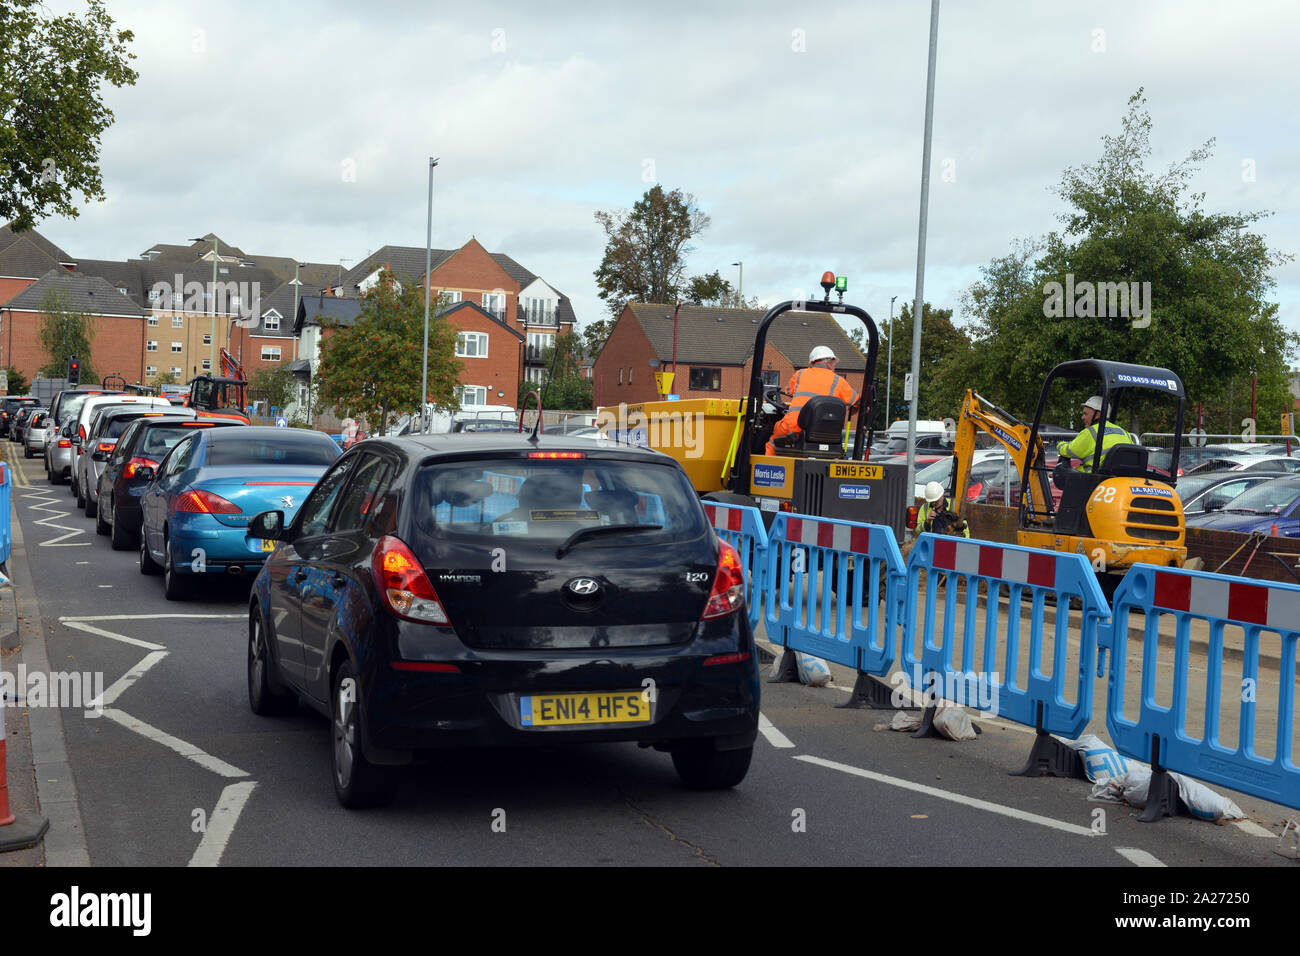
[584, 587]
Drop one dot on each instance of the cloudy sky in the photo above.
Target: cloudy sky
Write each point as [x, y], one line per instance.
[303, 129]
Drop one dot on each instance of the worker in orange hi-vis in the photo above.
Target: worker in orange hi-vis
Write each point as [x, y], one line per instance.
[818, 378]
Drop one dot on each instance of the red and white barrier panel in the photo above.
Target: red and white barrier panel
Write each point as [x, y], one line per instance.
[1020, 565]
[826, 534]
[1273, 607]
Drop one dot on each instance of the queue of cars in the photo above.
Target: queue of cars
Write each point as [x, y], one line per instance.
[476, 588]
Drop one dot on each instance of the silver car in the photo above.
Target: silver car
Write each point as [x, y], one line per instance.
[37, 431]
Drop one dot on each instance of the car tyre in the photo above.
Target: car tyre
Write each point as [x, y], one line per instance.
[357, 782]
[175, 587]
[27, 451]
[76, 489]
[118, 536]
[55, 477]
[101, 525]
[147, 564]
[700, 767]
[265, 696]
[92, 510]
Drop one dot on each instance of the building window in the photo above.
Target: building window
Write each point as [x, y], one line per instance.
[178, 321]
[176, 370]
[535, 374]
[207, 365]
[620, 375]
[155, 295]
[629, 375]
[207, 338]
[271, 321]
[538, 343]
[495, 302]
[473, 395]
[122, 289]
[447, 299]
[539, 311]
[472, 345]
[151, 346]
[178, 346]
[153, 320]
[151, 370]
[270, 353]
[706, 379]
[178, 300]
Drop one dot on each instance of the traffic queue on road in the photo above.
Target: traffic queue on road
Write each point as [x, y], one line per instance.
[422, 592]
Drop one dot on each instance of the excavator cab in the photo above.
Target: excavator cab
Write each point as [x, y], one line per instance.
[213, 397]
[1118, 510]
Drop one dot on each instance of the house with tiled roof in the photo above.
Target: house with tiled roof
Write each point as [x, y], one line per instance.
[25, 257]
[713, 348]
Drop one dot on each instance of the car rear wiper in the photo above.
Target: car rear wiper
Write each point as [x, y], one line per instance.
[1242, 511]
[602, 529]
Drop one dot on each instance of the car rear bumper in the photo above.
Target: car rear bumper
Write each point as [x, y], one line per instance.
[480, 704]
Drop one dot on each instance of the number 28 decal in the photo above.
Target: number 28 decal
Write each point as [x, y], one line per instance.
[1104, 495]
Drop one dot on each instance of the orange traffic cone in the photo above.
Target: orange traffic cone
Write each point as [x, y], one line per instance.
[18, 831]
[1274, 531]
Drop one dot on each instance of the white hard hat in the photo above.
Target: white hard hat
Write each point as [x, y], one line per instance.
[1094, 403]
[933, 492]
[819, 353]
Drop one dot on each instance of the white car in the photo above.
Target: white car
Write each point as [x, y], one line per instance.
[941, 471]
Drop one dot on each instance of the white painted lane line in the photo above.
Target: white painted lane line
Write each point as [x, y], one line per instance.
[953, 797]
[1253, 828]
[148, 617]
[91, 629]
[221, 824]
[129, 678]
[1137, 857]
[774, 736]
[187, 750]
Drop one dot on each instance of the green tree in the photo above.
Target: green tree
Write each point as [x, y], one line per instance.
[18, 383]
[275, 385]
[711, 289]
[52, 113]
[63, 333]
[594, 335]
[1207, 274]
[563, 387]
[373, 367]
[165, 378]
[646, 249]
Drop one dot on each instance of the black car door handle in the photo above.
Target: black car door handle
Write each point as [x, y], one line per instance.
[300, 575]
[338, 580]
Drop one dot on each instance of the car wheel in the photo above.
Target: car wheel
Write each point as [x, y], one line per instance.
[357, 782]
[55, 477]
[147, 564]
[27, 451]
[700, 767]
[101, 526]
[175, 587]
[118, 536]
[92, 509]
[265, 696]
[76, 490]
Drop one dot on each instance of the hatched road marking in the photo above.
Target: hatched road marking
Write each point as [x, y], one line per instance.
[1137, 857]
[774, 736]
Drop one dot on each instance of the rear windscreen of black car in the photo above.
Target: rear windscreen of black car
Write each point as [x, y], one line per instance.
[551, 499]
[287, 449]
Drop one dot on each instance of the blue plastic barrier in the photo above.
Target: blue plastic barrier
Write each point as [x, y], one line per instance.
[742, 528]
[6, 488]
[824, 616]
[1159, 734]
[993, 569]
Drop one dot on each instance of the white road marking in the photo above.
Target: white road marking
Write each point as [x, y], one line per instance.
[47, 498]
[1137, 857]
[83, 562]
[978, 804]
[129, 678]
[104, 585]
[187, 750]
[774, 736]
[1253, 828]
[91, 629]
[221, 824]
[146, 617]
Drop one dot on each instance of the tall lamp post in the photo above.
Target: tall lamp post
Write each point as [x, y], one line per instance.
[889, 367]
[212, 296]
[740, 287]
[428, 267]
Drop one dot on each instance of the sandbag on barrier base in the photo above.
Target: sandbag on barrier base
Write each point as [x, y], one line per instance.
[872, 693]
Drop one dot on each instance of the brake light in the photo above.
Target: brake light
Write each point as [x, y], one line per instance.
[197, 424]
[557, 454]
[736, 658]
[199, 501]
[911, 517]
[728, 594]
[65, 443]
[105, 446]
[135, 464]
[436, 667]
[403, 584]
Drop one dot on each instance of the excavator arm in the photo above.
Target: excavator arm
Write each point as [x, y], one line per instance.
[980, 415]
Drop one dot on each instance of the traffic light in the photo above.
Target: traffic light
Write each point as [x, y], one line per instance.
[74, 371]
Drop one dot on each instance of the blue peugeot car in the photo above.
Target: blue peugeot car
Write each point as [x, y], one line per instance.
[197, 503]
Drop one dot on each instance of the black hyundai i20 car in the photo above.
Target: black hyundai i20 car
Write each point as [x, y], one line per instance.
[487, 589]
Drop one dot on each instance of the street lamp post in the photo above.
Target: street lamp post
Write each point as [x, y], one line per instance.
[428, 267]
[740, 285]
[212, 296]
[889, 367]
